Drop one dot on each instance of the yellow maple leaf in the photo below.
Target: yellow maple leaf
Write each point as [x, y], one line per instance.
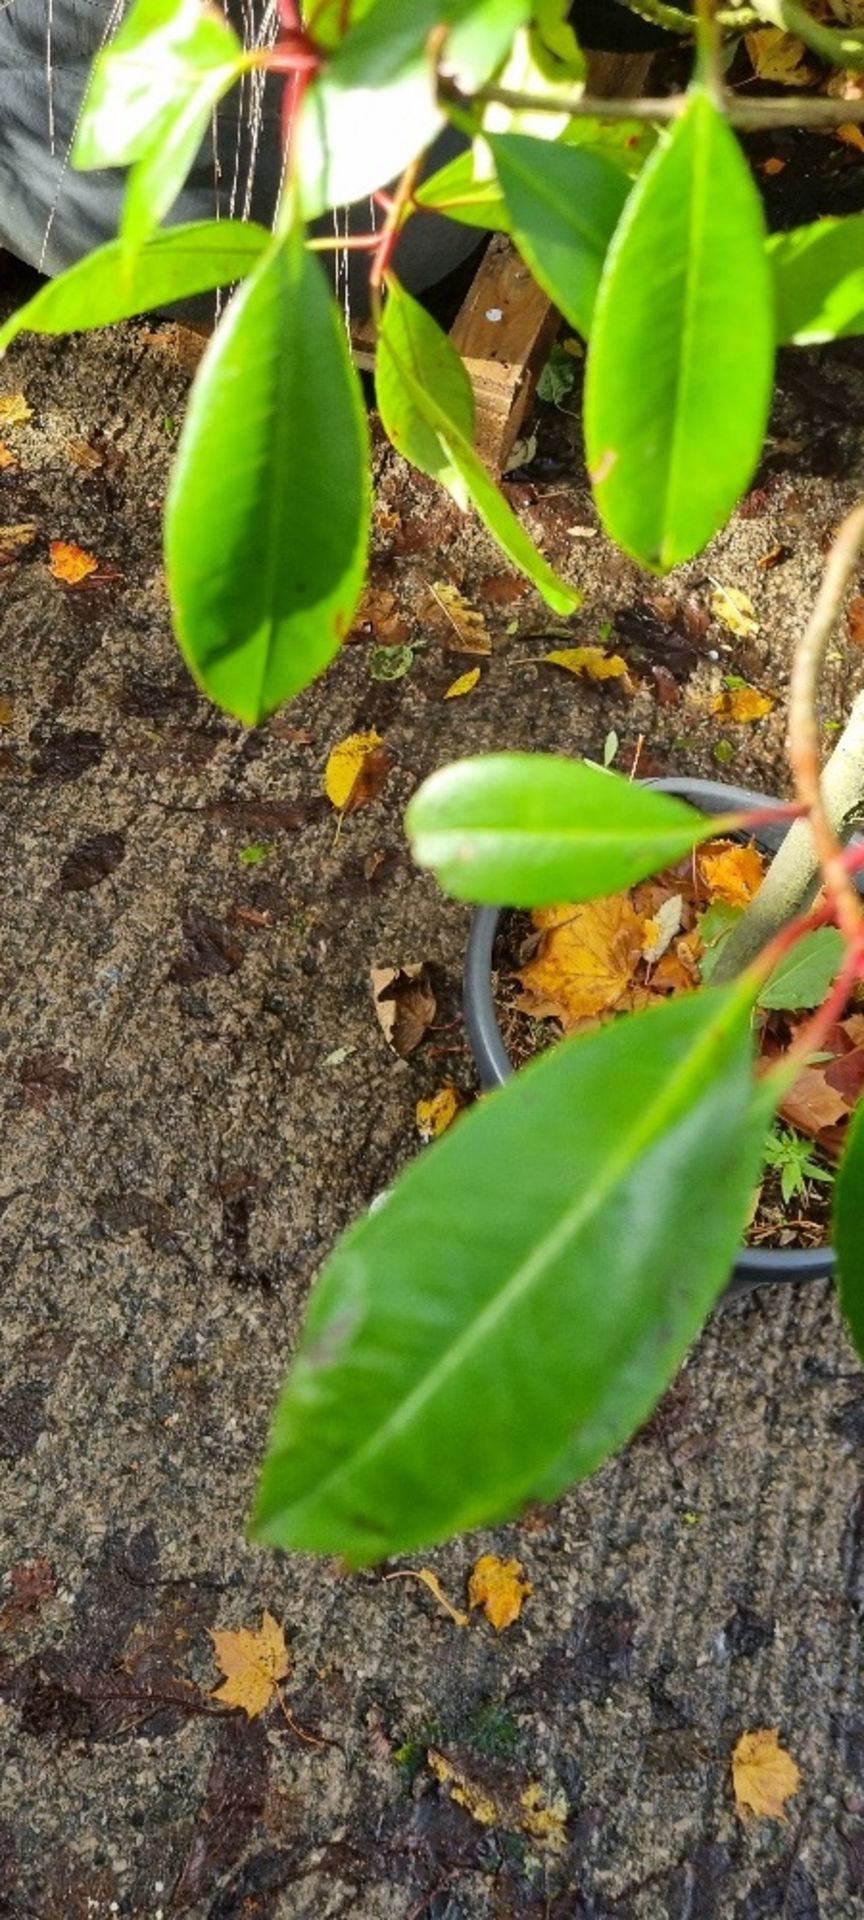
[585, 962]
[593, 661]
[730, 872]
[736, 611]
[345, 764]
[742, 704]
[779, 56]
[764, 1775]
[467, 622]
[14, 411]
[253, 1665]
[70, 563]
[437, 1113]
[499, 1587]
[465, 684]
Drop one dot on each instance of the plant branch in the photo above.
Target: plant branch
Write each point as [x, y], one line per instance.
[674, 20]
[794, 873]
[800, 110]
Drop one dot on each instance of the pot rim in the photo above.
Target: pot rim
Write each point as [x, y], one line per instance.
[754, 1266]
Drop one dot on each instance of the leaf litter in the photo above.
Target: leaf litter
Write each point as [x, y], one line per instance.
[764, 1775]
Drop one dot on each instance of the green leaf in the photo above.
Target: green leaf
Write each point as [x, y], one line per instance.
[375, 105]
[531, 830]
[803, 976]
[151, 94]
[268, 512]
[847, 1229]
[463, 192]
[564, 204]
[482, 1334]
[679, 372]
[432, 431]
[107, 286]
[712, 927]
[819, 280]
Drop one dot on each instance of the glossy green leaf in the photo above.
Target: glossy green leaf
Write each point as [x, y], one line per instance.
[819, 280]
[531, 830]
[409, 342]
[481, 1329]
[627, 143]
[464, 192]
[268, 512]
[375, 106]
[678, 380]
[803, 976]
[106, 286]
[151, 94]
[848, 1229]
[564, 204]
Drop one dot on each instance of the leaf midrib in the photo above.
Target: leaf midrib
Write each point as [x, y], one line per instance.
[696, 224]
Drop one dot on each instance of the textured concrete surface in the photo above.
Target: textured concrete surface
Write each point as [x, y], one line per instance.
[180, 1148]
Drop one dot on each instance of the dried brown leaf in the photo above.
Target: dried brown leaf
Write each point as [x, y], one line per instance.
[404, 1004]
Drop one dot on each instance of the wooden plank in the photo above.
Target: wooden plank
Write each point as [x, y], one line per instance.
[503, 330]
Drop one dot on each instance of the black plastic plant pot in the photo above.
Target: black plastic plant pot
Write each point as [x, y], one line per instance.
[754, 1266]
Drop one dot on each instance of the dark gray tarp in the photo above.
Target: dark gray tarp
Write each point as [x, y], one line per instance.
[50, 215]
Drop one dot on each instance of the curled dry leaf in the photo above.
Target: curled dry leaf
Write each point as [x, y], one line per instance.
[378, 613]
[433, 1583]
[466, 627]
[355, 771]
[499, 1587]
[437, 1113]
[735, 610]
[253, 1665]
[764, 1775]
[742, 704]
[594, 662]
[404, 1004]
[585, 961]
[659, 932]
[70, 563]
[730, 872]
[465, 684]
[14, 410]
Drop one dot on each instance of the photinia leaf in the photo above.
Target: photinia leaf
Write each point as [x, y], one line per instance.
[564, 204]
[819, 280]
[530, 830]
[148, 105]
[466, 192]
[433, 432]
[847, 1235]
[375, 105]
[268, 512]
[526, 1326]
[107, 286]
[803, 976]
[679, 372]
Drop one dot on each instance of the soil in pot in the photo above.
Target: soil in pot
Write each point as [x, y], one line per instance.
[565, 969]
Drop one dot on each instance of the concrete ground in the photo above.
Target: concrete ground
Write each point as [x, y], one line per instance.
[197, 1098]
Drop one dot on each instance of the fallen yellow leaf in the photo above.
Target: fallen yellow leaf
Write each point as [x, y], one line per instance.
[7, 458]
[585, 961]
[742, 704]
[14, 411]
[70, 563]
[764, 1775]
[253, 1665]
[345, 764]
[730, 872]
[498, 1586]
[465, 684]
[503, 1804]
[437, 1113]
[433, 1583]
[593, 661]
[778, 56]
[735, 609]
[851, 135]
[466, 622]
